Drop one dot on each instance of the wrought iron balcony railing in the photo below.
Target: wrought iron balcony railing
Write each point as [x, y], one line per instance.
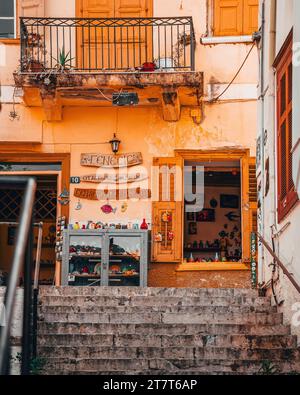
[107, 44]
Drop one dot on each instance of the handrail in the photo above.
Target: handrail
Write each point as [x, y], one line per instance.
[279, 262]
[23, 244]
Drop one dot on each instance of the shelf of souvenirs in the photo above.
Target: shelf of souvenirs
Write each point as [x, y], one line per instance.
[115, 257]
[111, 275]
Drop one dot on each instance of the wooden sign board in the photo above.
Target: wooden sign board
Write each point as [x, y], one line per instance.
[118, 194]
[114, 178]
[108, 161]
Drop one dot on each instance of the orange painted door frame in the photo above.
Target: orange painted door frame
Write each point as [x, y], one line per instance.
[63, 179]
[248, 207]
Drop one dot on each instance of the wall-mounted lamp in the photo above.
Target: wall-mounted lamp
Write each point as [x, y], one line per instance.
[115, 144]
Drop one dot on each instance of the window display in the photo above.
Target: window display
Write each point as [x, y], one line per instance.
[105, 257]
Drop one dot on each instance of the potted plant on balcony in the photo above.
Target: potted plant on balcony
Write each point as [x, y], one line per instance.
[64, 60]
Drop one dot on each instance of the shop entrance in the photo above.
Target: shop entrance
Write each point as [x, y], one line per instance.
[212, 212]
[45, 215]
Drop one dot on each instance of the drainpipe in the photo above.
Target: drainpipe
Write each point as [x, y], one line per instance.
[261, 274]
[272, 55]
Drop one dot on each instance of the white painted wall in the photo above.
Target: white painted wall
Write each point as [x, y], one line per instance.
[287, 239]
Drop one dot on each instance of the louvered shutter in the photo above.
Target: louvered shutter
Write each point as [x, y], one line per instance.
[250, 16]
[249, 203]
[287, 195]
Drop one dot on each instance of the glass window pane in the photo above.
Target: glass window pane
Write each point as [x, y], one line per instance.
[7, 8]
[7, 166]
[124, 261]
[7, 28]
[283, 94]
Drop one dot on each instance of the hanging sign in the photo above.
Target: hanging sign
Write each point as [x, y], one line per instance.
[253, 260]
[108, 161]
[114, 178]
[74, 180]
[118, 194]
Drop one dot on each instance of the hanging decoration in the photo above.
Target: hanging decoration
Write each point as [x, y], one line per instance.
[64, 197]
[108, 209]
[124, 207]
[78, 205]
[166, 217]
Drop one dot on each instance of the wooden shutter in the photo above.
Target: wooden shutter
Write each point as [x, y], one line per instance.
[235, 17]
[287, 195]
[133, 8]
[134, 46]
[249, 203]
[228, 20]
[253, 195]
[250, 16]
[167, 192]
[31, 8]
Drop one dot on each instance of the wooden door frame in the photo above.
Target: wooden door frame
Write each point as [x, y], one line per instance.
[223, 155]
[63, 158]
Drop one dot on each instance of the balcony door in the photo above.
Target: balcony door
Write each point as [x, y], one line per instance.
[109, 45]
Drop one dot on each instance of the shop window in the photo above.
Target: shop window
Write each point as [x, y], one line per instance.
[235, 17]
[7, 18]
[287, 195]
[214, 232]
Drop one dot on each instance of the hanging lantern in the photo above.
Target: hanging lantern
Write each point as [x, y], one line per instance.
[115, 144]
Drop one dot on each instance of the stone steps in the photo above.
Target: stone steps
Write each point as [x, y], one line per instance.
[168, 318]
[136, 340]
[161, 329]
[112, 330]
[154, 301]
[162, 366]
[220, 353]
[128, 292]
[78, 309]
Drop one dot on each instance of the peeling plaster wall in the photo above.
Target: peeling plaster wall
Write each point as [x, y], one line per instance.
[230, 123]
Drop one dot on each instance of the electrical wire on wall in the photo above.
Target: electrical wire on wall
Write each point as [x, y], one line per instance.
[235, 76]
[110, 99]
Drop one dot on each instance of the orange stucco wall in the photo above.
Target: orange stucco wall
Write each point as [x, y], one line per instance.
[230, 123]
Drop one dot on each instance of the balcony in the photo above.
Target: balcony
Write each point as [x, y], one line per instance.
[71, 61]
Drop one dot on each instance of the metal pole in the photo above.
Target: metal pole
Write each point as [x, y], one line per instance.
[38, 257]
[18, 259]
[279, 262]
[27, 307]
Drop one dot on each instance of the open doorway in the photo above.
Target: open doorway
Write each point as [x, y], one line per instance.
[214, 232]
[45, 212]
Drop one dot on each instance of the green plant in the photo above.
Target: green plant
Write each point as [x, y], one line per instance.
[37, 365]
[63, 60]
[268, 369]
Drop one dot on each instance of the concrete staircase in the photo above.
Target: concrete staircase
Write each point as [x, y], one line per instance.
[96, 330]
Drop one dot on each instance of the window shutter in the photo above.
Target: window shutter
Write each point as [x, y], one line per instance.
[253, 195]
[228, 18]
[287, 195]
[31, 8]
[250, 17]
[167, 189]
[249, 203]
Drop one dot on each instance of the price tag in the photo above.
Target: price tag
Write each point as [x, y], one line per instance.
[71, 278]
